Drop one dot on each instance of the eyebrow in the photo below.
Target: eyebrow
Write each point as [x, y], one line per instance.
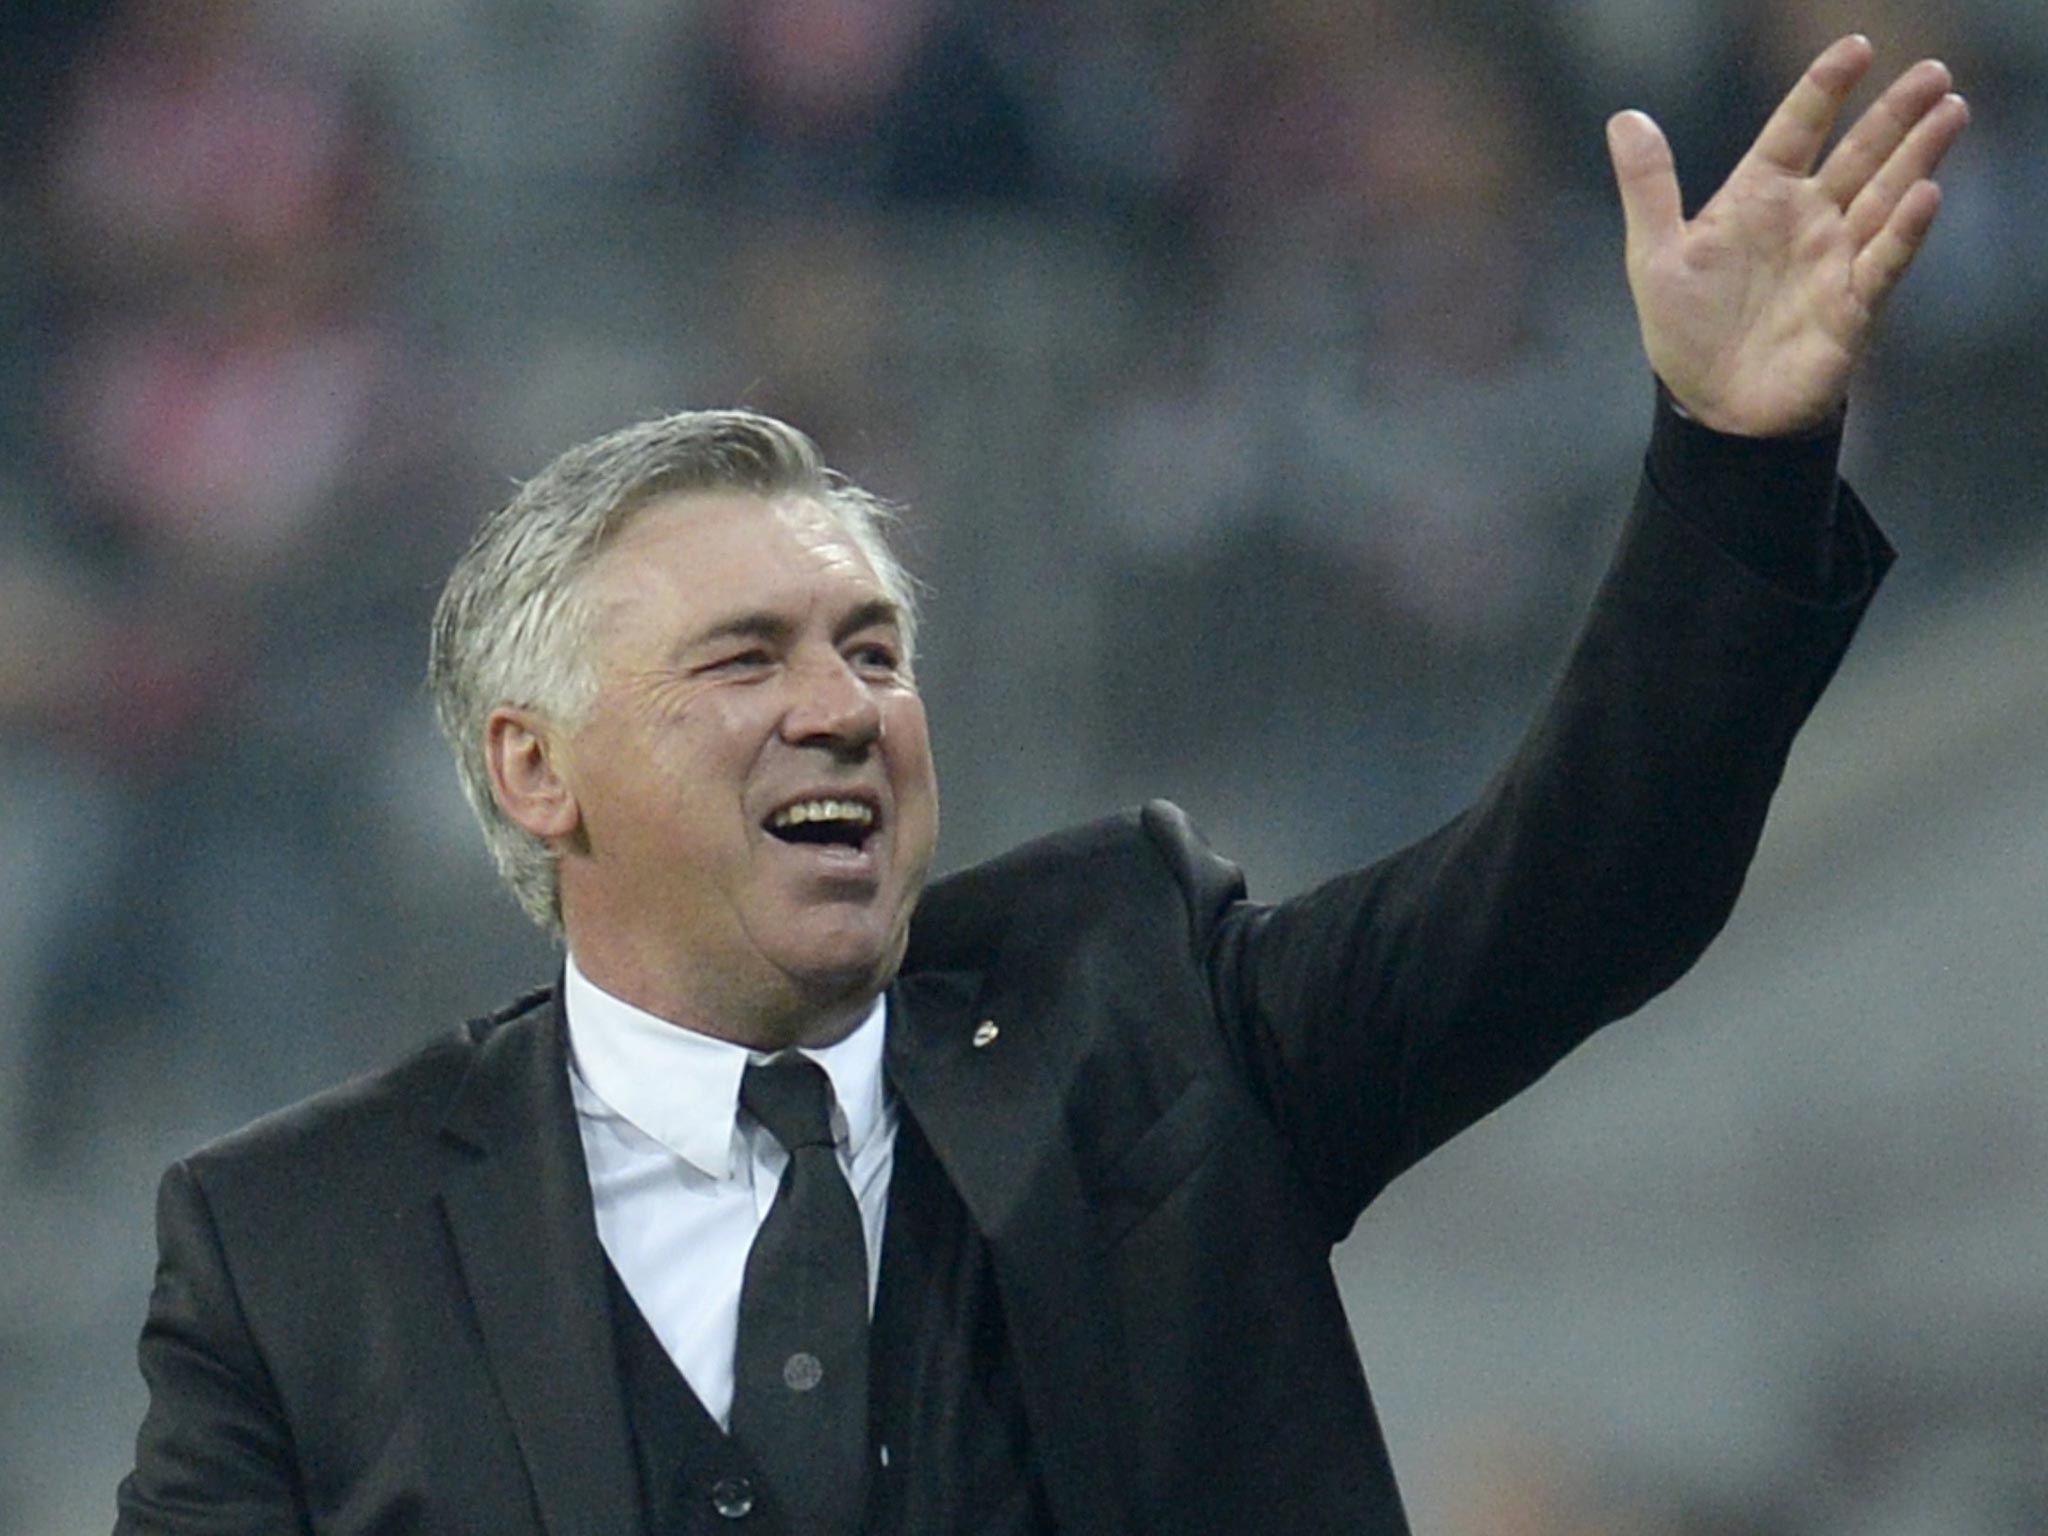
[875, 613]
[774, 628]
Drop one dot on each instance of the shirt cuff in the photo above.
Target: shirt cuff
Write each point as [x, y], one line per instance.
[1767, 502]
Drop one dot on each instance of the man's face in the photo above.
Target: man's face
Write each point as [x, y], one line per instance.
[753, 783]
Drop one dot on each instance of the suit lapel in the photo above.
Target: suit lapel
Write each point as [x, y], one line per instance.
[518, 1207]
[992, 1113]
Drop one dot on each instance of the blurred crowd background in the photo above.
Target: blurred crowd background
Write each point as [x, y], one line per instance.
[1261, 384]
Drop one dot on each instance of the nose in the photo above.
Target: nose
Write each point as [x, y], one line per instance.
[831, 706]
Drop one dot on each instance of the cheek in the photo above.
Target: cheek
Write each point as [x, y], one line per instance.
[917, 789]
[713, 739]
[680, 777]
[906, 738]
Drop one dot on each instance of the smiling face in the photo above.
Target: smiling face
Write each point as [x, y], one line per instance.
[746, 814]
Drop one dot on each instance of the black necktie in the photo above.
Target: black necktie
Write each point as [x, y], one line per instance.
[800, 1372]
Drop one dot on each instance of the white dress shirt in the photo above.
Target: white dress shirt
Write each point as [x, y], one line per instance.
[681, 1179]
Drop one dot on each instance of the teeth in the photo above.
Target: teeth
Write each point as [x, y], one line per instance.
[823, 810]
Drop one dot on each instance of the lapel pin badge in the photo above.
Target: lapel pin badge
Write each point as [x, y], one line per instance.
[985, 1034]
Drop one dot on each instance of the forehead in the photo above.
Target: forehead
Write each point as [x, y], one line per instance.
[702, 557]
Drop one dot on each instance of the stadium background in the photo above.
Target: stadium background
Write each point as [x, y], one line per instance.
[1261, 381]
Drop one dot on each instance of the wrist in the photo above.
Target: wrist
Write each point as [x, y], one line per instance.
[1827, 425]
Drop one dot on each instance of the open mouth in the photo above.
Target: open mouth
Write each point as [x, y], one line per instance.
[825, 822]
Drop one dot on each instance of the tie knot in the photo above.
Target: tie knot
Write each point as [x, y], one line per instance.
[792, 1097]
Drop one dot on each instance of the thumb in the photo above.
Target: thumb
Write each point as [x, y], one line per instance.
[1643, 170]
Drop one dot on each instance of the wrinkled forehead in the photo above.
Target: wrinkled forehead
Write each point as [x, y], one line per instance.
[689, 557]
[727, 534]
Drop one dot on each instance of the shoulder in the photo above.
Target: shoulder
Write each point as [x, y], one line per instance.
[363, 1128]
[1130, 871]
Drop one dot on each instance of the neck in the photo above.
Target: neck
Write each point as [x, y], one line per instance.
[759, 1024]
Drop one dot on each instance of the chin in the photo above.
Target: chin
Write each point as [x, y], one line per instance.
[839, 980]
[834, 973]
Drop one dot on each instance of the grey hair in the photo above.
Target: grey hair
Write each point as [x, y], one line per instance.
[512, 625]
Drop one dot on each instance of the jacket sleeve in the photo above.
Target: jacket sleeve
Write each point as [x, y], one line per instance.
[214, 1454]
[1381, 1013]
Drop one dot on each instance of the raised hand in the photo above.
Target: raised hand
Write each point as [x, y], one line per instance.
[1755, 312]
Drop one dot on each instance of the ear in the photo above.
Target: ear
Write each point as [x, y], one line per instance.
[524, 756]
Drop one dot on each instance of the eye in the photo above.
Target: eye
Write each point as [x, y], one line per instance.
[749, 660]
[875, 656]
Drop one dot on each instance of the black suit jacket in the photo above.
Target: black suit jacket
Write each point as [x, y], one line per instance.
[384, 1310]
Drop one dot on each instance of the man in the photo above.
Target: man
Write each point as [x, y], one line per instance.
[1050, 1250]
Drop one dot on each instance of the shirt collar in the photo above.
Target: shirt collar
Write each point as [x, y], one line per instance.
[682, 1087]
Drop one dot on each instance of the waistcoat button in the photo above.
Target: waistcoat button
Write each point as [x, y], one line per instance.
[733, 1497]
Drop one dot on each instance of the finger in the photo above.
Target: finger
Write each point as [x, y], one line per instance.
[1880, 264]
[1648, 181]
[1913, 162]
[1866, 147]
[1791, 140]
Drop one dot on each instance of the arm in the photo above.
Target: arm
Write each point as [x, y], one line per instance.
[1382, 1013]
[214, 1453]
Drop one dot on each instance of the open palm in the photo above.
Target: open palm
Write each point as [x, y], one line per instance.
[1755, 312]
